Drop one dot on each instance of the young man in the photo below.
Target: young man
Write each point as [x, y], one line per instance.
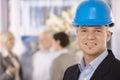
[62, 57]
[93, 19]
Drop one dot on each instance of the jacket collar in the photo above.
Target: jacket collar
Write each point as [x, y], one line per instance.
[104, 67]
[99, 73]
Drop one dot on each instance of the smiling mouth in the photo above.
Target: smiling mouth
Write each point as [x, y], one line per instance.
[90, 44]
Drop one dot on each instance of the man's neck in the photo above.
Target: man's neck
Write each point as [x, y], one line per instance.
[59, 48]
[45, 50]
[89, 58]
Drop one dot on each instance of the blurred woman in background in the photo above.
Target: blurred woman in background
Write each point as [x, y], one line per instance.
[9, 64]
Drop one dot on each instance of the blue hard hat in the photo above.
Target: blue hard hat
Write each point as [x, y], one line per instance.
[93, 13]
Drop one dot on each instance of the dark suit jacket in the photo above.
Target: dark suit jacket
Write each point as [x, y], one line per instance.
[4, 63]
[109, 69]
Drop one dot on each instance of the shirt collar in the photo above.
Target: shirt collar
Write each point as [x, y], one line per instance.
[63, 51]
[82, 64]
[98, 60]
[94, 64]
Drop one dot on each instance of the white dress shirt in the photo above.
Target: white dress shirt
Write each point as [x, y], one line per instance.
[41, 65]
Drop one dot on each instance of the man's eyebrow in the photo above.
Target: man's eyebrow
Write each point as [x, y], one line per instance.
[82, 28]
[98, 28]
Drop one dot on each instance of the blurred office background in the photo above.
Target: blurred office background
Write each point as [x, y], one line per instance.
[27, 18]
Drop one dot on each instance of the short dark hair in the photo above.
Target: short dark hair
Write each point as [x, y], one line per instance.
[63, 38]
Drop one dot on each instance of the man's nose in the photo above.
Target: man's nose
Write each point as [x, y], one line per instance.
[91, 35]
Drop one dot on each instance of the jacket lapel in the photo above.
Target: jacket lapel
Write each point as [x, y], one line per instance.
[104, 67]
[8, 62]
[77, 73]
[74, 73]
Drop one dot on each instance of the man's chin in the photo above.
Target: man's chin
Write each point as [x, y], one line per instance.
[90, 50]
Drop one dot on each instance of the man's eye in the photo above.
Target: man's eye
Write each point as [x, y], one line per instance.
[83, 30]
[98, 30]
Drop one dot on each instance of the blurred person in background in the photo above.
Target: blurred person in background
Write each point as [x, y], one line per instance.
[42, 58]
[10, 68]
[27, 57]
[92, 21]
[63, 58]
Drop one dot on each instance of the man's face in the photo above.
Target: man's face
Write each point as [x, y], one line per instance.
[45, 41]
[92, 40]
[55, 44]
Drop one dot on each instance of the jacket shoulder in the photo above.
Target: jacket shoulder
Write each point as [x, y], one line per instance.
[116, 64]
[72, 73]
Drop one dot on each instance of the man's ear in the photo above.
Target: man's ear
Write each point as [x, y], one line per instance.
[58, 41]
[109, 35]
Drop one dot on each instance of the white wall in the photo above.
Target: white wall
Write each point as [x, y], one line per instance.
[0, 18]
[15, 26]
[3, 15]
[116, 33]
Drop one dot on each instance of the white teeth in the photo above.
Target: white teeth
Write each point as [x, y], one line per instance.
[90, 44]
